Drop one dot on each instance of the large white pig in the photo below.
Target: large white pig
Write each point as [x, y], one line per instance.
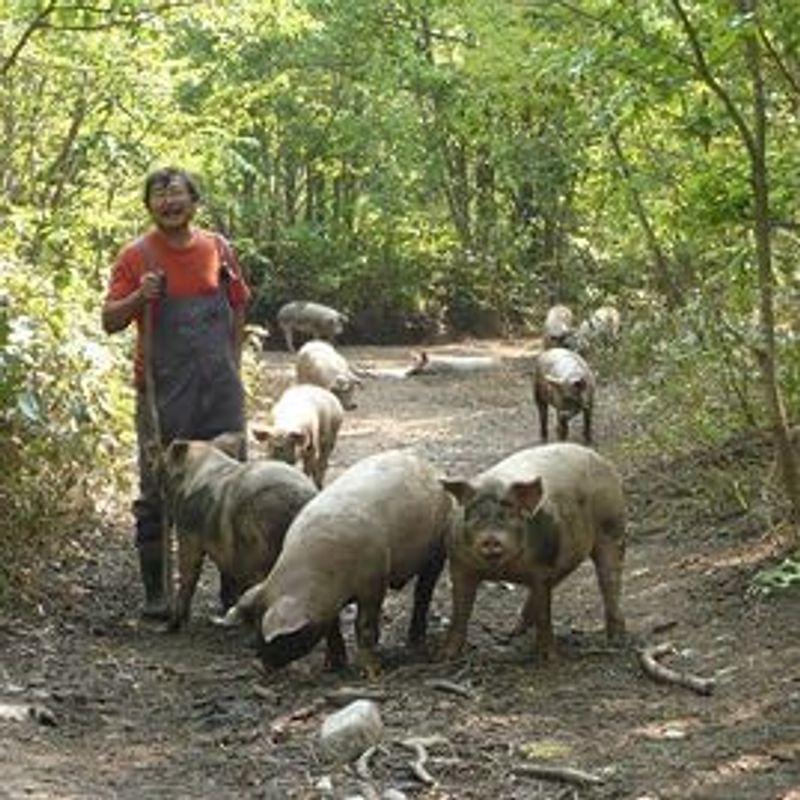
[382, 522]
[532, 519]
[429, 364]
[319, 363]
[305, 423]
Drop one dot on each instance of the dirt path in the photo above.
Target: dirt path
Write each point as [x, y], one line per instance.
[139, 714]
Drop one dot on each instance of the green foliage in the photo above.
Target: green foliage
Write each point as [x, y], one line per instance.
[61, 412]
[781, 577]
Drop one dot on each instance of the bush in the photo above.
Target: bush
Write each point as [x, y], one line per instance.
[64, 415]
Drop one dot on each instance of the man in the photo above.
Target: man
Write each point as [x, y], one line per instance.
[192, 335]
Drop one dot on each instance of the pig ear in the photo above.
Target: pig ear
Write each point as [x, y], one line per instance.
[463, 491]
[231, 443]
[178, 450]
[286, 616]
[300, 437]
[527, 494]
[261, 433]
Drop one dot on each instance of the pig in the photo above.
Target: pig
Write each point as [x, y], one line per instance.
[602, 327]
[319, 363]
[321, 322]
[383, 521]
[563, 380]
[236, 513]
[558, 327]
[305, 423]
[532, 519]
[425, 364]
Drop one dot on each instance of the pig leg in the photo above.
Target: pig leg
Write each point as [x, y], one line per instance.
[423, 591]
[537, 612]
[335, 651]
[563, 427]
[190, 564]
[465, 587]
[288, 336]
[608, 556]
[587, 425]
[541, 407]
[368, 631]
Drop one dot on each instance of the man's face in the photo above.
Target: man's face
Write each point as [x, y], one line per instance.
[171, 204]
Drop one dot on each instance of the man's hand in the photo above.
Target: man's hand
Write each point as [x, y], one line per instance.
[151, 285]
[117, 314]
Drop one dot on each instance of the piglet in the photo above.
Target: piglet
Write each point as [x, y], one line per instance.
[305, 423]
[319, 363]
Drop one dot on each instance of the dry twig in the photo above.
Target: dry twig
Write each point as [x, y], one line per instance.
[565, 774]
[419, 745]
[362, 764]
[648, 659]
[449, 686]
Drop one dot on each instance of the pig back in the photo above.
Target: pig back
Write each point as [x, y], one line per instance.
[563, 365]
[320, 364]
[387, 512]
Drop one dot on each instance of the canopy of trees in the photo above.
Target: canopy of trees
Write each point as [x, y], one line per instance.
[418, 164]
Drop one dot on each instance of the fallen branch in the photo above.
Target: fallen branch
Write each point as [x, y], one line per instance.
[280, 726]
[20, 712]
[648, 659]
[419, 745]
[450, 686]
[564, 774]
[362, 764]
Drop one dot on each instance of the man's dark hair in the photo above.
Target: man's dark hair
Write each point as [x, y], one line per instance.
[165, 176]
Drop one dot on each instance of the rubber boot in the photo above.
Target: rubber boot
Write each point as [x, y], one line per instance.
[151, 563]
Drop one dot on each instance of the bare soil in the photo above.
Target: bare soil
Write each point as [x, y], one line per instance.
[122, 710]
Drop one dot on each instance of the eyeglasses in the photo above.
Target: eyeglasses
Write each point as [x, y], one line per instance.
[169, 193]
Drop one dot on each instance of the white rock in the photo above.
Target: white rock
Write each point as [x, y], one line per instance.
[393, 794]
[347, 733]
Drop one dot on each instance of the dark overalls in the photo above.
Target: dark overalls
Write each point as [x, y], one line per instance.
[198, 390]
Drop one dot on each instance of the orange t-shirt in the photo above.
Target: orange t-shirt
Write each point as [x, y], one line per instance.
[190, 271]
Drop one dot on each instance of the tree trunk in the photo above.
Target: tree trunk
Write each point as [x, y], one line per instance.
[786, 455]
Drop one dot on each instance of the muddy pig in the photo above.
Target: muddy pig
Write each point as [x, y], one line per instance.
[532, 519]
[305, 423]
[558, 327]
[426, 364]
[382, 522]
[319, 363]
[315, 319]
[563, 380]
[236, 513]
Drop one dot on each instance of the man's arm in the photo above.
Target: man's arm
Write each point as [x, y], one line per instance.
[117, 314]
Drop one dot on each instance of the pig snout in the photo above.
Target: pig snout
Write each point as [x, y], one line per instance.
[492, 546]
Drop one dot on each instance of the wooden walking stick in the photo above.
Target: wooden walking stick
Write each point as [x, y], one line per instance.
[156, 451]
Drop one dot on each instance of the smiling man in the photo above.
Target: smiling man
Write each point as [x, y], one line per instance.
[193, 281]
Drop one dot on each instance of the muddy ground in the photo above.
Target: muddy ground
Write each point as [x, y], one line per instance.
[126, 711]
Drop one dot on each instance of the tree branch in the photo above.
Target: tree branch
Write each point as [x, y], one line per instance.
[703, 69]
[40, 21]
